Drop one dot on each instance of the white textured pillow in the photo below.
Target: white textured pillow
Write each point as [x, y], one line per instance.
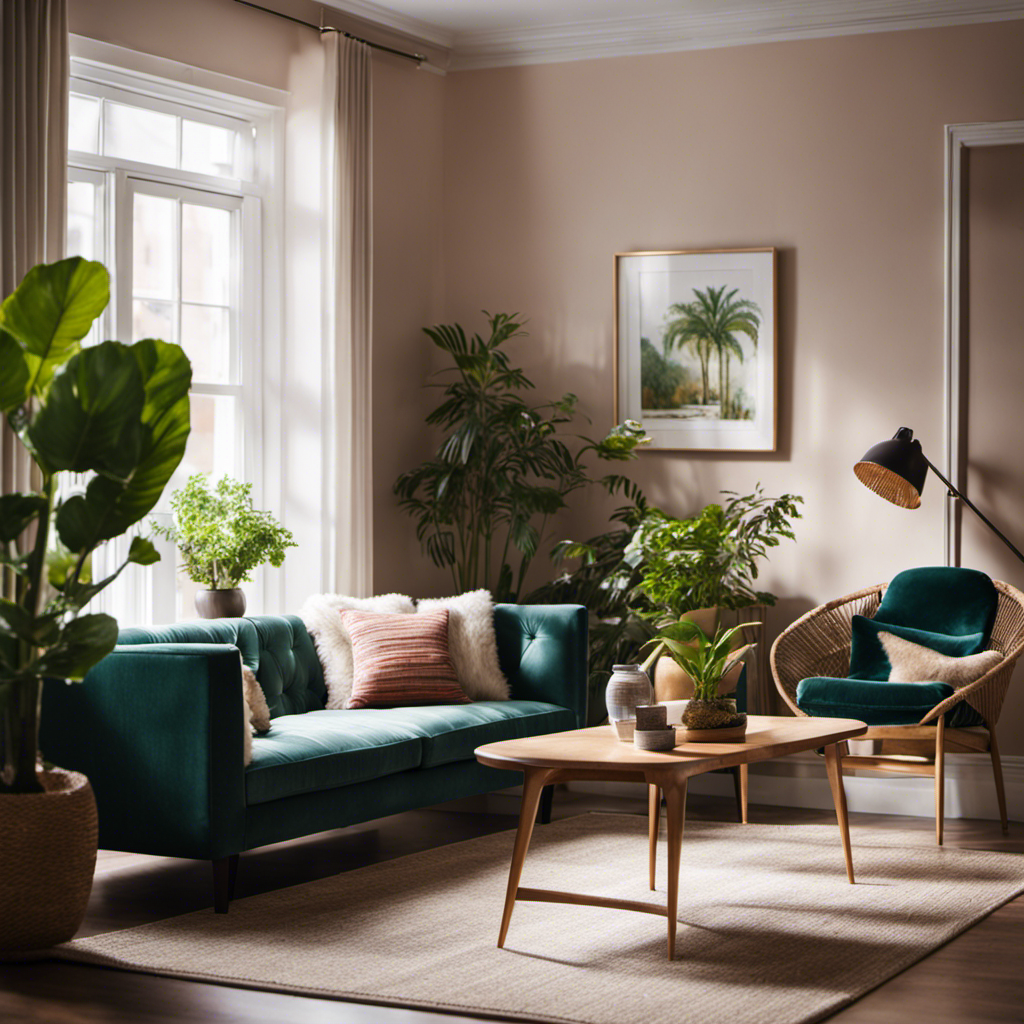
[322, 616]
[912, 663]
[472, 643]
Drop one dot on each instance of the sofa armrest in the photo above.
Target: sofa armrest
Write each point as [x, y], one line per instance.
[543, 653]
[158, 730]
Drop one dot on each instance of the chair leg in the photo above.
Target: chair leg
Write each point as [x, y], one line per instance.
[547, 798]
[940, 776]
[739, 785]
[997, 771]
[225, 871]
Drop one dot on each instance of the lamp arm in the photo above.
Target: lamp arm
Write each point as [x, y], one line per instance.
[977, 511]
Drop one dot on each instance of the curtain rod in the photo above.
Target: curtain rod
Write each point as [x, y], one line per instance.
[418, 57]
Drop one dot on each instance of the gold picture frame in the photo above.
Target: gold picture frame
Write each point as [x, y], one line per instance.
[692, 325]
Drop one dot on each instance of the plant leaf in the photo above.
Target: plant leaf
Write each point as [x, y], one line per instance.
[52, 310]
[16, 512]
[142, 551]
[82, 643]
[14, 378]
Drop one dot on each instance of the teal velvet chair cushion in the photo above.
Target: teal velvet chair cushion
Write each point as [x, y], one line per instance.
[305, 753]
[868, 659]
[879, 703]
[452, 732]
[941, 599]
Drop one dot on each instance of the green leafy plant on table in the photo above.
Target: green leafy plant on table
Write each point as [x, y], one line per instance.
[221, 537]
[504, 467]
[118, 414]
[707, 660]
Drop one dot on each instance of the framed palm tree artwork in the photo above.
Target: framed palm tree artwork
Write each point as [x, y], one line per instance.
[696, 347]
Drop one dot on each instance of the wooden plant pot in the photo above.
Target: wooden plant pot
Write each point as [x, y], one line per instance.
[221, 604]
[47, 859]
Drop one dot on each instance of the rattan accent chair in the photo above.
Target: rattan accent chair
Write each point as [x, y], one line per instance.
[818, 644]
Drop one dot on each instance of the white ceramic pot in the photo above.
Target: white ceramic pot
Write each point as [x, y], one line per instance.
[627, 687]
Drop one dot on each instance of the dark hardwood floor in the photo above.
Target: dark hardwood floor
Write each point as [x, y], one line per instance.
[978, 977]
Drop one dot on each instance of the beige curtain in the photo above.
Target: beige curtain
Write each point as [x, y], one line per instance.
[347, 303]
[33, 165]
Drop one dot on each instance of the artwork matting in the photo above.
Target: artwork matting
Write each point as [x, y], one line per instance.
[692, 325]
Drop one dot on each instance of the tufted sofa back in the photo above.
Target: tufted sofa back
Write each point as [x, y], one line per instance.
[276, 647]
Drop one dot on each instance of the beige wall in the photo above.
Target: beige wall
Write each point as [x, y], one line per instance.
[995, 359]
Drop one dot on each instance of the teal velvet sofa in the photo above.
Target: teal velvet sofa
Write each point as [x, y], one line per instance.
[157, 727]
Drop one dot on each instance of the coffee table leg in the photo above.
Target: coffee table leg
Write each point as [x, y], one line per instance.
[533, 785]
[834, 766]
[653, 824]
[675, 808]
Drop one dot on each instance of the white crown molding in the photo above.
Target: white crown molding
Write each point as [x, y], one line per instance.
[731, 23]
[422, 31]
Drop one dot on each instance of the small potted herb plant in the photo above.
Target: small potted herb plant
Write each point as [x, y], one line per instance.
[222, 538]
[707, 660]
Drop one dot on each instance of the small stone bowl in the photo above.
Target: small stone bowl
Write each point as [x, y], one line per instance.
[655, 739]
[651, 716]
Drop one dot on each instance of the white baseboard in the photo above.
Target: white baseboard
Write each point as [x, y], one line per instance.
[800, 781]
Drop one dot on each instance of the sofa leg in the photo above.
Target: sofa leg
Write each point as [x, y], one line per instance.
[225, 870]
[547, 797]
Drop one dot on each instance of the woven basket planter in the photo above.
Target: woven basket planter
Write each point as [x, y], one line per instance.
[47, 859]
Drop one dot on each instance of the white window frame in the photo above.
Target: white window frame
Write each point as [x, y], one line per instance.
[256, 201]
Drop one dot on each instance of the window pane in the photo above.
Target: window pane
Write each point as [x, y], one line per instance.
[206, 339]
[152, 320]
[205, 254]
[212, 444]
[208, 149]
[134, 133]
[153, 237]
[82, 219]
[83, 124]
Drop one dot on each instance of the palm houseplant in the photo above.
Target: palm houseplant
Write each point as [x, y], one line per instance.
[695, 569]
[222, 539]
[105, 427]
[505, 466]
[707, 660]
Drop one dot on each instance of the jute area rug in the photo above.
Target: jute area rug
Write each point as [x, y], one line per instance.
[770, 930]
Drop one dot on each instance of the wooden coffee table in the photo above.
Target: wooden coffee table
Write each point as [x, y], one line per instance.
[598, 754]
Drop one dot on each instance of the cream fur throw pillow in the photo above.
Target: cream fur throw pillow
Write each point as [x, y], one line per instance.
[472, 643]
[912, 663]
[256, 700]
[322, 616]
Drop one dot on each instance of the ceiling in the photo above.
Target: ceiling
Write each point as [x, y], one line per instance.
[494, 33]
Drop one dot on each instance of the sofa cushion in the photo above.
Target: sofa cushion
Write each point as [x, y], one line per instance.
[878, 702]
[453, 732]
[328, 749]
[289, 671]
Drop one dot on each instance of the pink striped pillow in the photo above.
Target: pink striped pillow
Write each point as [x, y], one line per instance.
[400, 660]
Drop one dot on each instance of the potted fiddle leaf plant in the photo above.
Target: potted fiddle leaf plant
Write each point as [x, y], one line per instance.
[222, 538]
[118, 416]
[707, 660]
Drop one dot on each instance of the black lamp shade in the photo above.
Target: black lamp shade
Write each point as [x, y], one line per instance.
[895, 469]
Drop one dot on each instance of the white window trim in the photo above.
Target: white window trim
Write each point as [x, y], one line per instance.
[220, 99]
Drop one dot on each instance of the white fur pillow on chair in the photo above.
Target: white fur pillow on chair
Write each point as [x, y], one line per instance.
[472, 643]
[322, 616]
[912, 663]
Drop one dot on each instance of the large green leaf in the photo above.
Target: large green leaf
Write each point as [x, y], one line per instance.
[14, 375]
[91, 417]
[110, 506]
[52, 310]
[17, 511]
[82, 643]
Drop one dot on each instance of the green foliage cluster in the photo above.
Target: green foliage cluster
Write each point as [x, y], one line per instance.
[711, 559]
[118, 415]
[221, 537]
[706, 659]
[504, 467]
